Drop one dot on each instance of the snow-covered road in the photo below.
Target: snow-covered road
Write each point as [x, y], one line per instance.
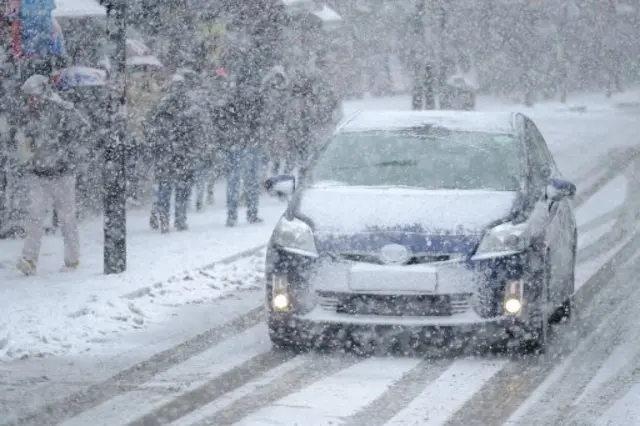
[209, 362]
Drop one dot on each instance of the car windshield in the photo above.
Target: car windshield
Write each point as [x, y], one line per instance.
[431, 159]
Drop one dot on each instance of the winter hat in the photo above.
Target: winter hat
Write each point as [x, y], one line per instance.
[37, 85]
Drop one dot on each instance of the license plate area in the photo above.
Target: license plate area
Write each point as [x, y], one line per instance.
[383, 278]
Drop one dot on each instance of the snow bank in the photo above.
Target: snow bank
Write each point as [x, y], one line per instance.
[47, 325]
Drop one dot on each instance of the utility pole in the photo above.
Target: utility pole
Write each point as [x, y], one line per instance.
[114, 173]
[440, 70]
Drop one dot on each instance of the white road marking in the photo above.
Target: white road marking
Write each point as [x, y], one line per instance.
[447, 394]
[620, 357]
[328, 400]
[244, 391]
[178, 380]
[625, 411]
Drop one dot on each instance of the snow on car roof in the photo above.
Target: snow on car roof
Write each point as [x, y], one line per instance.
[327, 14]
[472, 121]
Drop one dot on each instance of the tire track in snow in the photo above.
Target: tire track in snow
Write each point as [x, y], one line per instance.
[612, 392]
[216, 387]
[618, 160]
[552, 406]
[320, 366]
[625, 223]
[399, 395]
[512, 386]
[429, 394]
[140, 373]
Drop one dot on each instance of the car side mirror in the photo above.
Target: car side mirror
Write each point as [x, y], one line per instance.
[281, 185]
[560, 189]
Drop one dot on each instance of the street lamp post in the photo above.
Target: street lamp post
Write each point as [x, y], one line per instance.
[114, 173]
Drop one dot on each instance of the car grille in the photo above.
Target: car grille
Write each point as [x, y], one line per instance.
[413, 260]
[395, 305]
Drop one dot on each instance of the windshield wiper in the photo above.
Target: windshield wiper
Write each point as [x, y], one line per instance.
[397, 163]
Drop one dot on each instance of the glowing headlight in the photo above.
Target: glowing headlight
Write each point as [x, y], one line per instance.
[280, 299]
[513, 297]
[281, 302]
[506, 237]
[295, 236]
[512, 306]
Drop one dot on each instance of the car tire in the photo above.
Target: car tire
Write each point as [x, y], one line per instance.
[281, 336]
[287, 338]
[565, 310]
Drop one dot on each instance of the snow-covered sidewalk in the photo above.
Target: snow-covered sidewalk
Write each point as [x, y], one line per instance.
[67, 312]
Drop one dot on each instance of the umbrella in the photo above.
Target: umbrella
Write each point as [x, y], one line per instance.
[78, 76]
[137, 48]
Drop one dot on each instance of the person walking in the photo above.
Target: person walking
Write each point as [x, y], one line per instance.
[50, 139]
[244, 145]
[179, 137]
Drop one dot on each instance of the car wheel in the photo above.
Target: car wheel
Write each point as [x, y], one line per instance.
[565, 310]
[281, 336]
[287, 338]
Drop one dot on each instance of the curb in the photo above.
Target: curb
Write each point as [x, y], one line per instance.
[146, 290]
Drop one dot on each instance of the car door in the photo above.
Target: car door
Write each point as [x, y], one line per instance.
[558, 232]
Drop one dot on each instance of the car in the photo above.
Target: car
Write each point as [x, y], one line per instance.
[436, 225]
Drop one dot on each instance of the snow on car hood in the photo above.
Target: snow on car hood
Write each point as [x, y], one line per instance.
[349, 210]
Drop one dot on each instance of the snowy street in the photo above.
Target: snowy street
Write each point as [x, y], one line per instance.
[180, 338]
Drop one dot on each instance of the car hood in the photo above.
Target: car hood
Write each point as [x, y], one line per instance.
[364, 219]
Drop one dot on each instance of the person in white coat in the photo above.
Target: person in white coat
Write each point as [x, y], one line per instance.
[50, 138]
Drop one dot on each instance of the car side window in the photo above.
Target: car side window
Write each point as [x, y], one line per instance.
[539, 160]
[542, 144]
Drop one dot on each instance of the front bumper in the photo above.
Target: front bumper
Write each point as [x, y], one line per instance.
[483, 279]
[319, 324]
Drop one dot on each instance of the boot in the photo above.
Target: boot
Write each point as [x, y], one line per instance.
[164, 225]
[27, 267]
[254, 219]
[154, 221]
[231, 221]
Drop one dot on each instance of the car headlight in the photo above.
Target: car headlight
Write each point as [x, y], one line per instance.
[505, 237]
[296, 237]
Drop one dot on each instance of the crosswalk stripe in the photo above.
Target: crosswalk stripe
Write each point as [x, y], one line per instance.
[340, 395]
[624, 411]
[397, 396]
[209, 410]
[443, 397]
[620, 357]
[168, 385]
[317, 367]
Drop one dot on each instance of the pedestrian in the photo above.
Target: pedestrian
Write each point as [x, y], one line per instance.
[50, 139]
[215, 94]
[244, 158]
[179, 142]
[277, 95]
[301, 121]
[244, 150]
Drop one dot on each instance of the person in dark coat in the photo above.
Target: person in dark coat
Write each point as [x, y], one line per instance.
[244, 146]
[176, 126]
